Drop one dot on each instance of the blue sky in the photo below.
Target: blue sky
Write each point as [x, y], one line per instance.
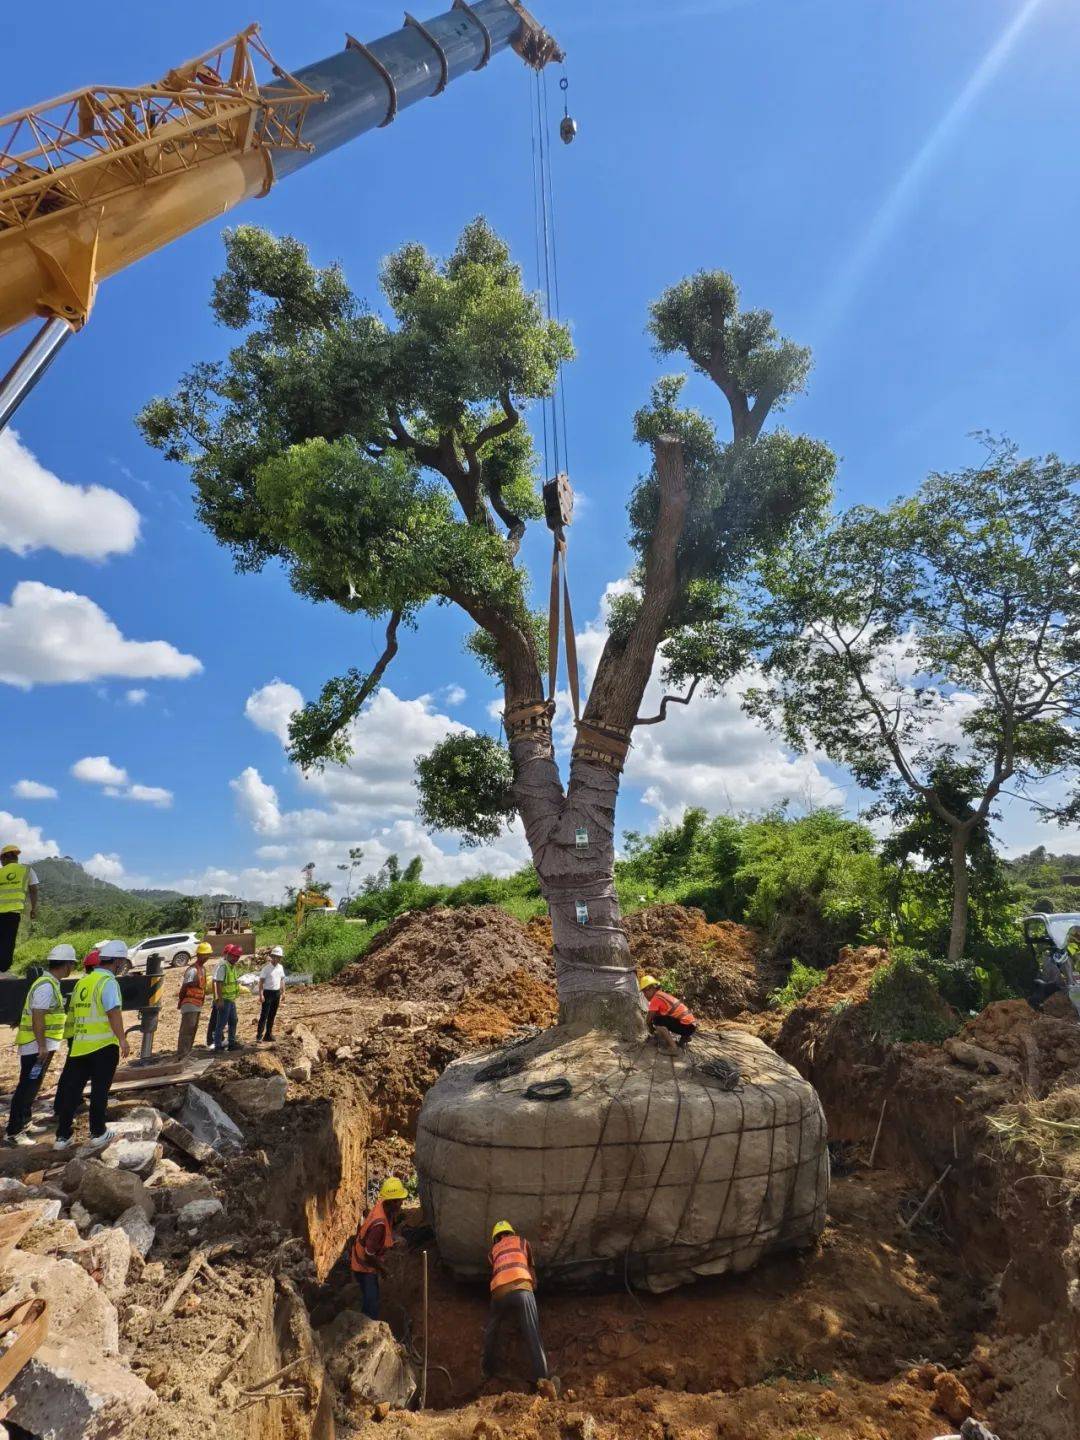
[895, 182]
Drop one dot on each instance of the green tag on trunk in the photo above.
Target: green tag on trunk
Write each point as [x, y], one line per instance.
[582, 912]
[581, 838]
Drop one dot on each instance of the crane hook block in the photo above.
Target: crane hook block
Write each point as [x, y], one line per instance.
[567, 129]
[558, 501]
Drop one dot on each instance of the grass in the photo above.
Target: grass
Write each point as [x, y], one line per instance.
[800, 982]
[1046, 1132]
[35, 950]
[906, 1005]
[328, 943]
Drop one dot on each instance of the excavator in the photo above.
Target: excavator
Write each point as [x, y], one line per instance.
[100, 177]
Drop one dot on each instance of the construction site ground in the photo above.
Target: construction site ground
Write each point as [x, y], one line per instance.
[897, 1326]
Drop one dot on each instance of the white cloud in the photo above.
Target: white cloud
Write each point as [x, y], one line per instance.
[32, 790]
[14, 830]
[42, 511]
[257, 801]
[271, 708]
[99, 770]
[55, 637]
[455, 695]
[105, 867]
[136, 697]
[149, 795]
[272, 852]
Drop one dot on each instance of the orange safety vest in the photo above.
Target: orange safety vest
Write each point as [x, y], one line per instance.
[359, 1261]
[193, 992]
[664, 1004]
[510, 1262]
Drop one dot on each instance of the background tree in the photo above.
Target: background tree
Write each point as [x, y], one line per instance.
[942, 629]
[385, 464]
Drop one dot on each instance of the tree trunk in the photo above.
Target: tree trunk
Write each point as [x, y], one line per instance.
[961, 887]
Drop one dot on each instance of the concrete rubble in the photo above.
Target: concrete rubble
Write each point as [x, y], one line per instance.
[208, 1122]
[365, 1361]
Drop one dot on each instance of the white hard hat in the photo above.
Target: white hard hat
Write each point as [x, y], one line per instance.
[62, 955]
[277, 952]
[113, 950]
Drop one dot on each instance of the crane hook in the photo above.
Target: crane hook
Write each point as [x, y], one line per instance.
[567, 125]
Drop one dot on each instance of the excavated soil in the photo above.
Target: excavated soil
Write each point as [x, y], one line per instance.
[895, 1327]
[445, 954]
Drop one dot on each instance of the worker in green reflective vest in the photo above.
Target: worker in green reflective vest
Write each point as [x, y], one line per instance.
[95, 1031]
[226, 989]
[41, 1031]
[17, 884]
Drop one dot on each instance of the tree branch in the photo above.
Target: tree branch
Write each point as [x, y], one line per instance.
[670, 700]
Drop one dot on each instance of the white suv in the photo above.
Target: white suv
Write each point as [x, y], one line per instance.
[173, 949]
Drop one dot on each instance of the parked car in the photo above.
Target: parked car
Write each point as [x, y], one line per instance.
[173, 949]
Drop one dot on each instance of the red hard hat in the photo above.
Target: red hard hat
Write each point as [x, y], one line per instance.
[233, 950]
[91, 960]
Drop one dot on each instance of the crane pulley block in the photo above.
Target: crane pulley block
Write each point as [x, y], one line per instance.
[558, 502]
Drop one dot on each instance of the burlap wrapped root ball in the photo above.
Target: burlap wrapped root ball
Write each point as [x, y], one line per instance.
[621, 1162]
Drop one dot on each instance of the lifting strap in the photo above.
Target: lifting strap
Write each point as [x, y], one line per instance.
[558, 572]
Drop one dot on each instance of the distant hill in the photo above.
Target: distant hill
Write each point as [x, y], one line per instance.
[66, 886]
[1045, 881]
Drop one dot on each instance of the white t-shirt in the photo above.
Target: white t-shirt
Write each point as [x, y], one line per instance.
[272, 975]
[41, 998]
[31, 878]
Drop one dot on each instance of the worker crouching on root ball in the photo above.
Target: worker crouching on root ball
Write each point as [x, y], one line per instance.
[374, 1237]
[513, 1287]
[667, 1017]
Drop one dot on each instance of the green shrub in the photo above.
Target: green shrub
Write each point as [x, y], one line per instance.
[800, 982]
[326, 944]
[905, 1004]
[35, 950]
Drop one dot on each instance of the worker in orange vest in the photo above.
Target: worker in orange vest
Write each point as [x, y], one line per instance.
[667, 1016]
[374, 1237]
[191, 997]
[513, 1292]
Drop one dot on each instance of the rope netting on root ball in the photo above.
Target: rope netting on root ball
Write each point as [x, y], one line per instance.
[621, 1162]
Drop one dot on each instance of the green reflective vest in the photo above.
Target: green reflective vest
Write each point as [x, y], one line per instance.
[55, 1016]
[230, 986]
[88, 1026]
[13, 888]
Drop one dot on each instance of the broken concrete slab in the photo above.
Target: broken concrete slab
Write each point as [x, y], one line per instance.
[108, 1192]
[309, 1046]
[11, 1190]
[300, 1072]
[137, 1228]
[207, 1121]
[66, 1392]
[139, 1156]
[79, 1311]
[80, 1215]
[106, 1257]
[172, 1198]
[142, 1122]
[260, 1095]
[184, 1141]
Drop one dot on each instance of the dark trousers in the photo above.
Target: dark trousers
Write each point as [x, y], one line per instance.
[26, 1091]
[211, 1022]
[98, 1068]
[369, 1289]
[226, 1016]
[521, 1306]
[682, 1032]
[270, 1002]
[189, 1024]
[9, 931]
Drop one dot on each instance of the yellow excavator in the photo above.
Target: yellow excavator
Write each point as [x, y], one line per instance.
[307, 900]
[98, 178]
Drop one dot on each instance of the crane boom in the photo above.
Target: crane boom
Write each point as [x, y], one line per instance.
[97, 179]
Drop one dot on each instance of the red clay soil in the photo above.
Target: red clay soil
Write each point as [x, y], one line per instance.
[1045, 1046]
[446, 954]
[496, 1011]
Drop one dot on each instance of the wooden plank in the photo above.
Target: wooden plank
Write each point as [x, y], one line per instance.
[13, 1226]
[30, 1322]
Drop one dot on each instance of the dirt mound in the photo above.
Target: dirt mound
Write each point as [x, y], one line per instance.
[718, 968]
[497, 1010]
[447, 954]
[1046, 1047]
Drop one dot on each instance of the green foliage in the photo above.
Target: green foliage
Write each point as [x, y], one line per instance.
[905, 1004]
[798, 985]
[464, 785]
[33, 951]
[326, 944]
[1045, 882]
[388, 894]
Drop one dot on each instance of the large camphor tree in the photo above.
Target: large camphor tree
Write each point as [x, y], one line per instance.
[386, 464]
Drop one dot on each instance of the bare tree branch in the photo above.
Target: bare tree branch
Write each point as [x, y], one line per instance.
[669, 700]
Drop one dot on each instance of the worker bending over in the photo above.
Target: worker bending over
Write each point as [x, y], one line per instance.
[17, 882]
[95, 1030]
[190, 1001]
[513, 1293]
[667, 1016]
[41, 1030]
[226, 989]
[374, 1237]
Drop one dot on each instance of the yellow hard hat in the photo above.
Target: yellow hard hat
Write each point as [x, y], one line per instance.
[204, 949]
[646, 981]
[10, 850]
[501, 1227]
[392, 1189]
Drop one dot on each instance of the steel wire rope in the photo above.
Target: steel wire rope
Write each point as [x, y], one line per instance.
[667, 1155]
[545, 225]
[561, 382]
[536, 241]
